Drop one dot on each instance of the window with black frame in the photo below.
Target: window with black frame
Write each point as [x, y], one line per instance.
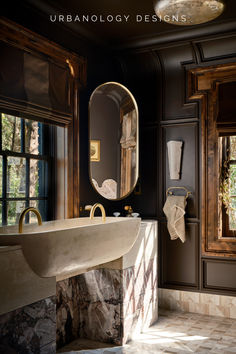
[25, 160]
[227, 185]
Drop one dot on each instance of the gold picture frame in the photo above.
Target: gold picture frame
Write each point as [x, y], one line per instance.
[95, 150]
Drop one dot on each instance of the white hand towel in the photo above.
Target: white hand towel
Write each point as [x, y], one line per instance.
[174, 210]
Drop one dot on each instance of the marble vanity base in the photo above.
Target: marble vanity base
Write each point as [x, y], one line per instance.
[106, 305]
[30, 329]
[111, 305]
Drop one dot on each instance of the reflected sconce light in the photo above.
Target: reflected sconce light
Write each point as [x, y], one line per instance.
[174, 157]
[188, 12]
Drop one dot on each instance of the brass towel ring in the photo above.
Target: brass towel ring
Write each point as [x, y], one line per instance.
[171, 193]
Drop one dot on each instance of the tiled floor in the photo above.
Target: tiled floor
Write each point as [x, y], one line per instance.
[175, 332]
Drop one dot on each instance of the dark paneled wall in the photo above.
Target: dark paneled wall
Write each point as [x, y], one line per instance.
[137, 76]
[157, 78]
[180, 260]
[174, 61]
[219, 275]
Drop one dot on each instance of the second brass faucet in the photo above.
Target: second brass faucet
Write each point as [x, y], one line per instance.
[101, 207]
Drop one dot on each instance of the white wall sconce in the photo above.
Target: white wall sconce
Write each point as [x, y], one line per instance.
[174, 157]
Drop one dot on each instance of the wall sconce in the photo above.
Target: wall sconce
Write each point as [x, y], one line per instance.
[174, 156]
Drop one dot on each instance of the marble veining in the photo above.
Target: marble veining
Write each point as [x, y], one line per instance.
[89, 305]
[107, 305]
[30, 329]
[115, 302]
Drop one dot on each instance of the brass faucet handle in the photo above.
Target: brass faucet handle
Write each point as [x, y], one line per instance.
[85, 208]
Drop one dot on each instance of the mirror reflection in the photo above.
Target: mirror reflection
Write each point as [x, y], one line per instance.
[113, 120]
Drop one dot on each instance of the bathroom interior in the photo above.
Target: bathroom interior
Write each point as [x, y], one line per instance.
[118, 176]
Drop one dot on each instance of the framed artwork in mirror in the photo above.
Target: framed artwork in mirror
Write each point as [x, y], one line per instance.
[95, 150]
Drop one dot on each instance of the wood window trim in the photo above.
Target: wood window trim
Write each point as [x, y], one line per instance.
[25, 39]
[203, 85]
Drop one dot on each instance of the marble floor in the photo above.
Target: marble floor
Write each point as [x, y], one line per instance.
[175, 332]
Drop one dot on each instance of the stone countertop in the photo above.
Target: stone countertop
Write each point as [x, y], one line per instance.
[145, 246]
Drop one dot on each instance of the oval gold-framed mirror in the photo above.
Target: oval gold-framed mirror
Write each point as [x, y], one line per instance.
[113, 141]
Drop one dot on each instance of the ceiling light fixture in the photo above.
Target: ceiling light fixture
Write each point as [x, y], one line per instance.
[188, 12]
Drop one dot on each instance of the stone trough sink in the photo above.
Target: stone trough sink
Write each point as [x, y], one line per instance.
[72, 246]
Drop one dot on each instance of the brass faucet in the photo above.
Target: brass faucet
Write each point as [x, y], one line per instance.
[22, 215]
[129, 210]
[101, 207]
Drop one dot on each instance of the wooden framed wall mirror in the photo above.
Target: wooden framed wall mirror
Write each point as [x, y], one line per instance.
[215, 87]
[113, 141]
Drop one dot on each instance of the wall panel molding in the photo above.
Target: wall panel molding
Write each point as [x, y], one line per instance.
[219, 275]
[174, 79]
[179, 261]
[215, 49]
[179, 37]
[178, 121]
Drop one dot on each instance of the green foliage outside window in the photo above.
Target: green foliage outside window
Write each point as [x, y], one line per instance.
[21, 137]
[228, 183]
[11, 141]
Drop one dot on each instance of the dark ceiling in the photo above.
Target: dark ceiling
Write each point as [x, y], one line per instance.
[127, 34]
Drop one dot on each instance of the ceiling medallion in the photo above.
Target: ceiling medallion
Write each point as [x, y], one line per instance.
[188, 12]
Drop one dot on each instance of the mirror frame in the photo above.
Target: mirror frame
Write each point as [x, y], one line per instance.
[137, 138]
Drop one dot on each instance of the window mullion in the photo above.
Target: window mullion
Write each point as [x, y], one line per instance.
[27, 187]
[22, 136]
[0, 131]
[4, 190]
